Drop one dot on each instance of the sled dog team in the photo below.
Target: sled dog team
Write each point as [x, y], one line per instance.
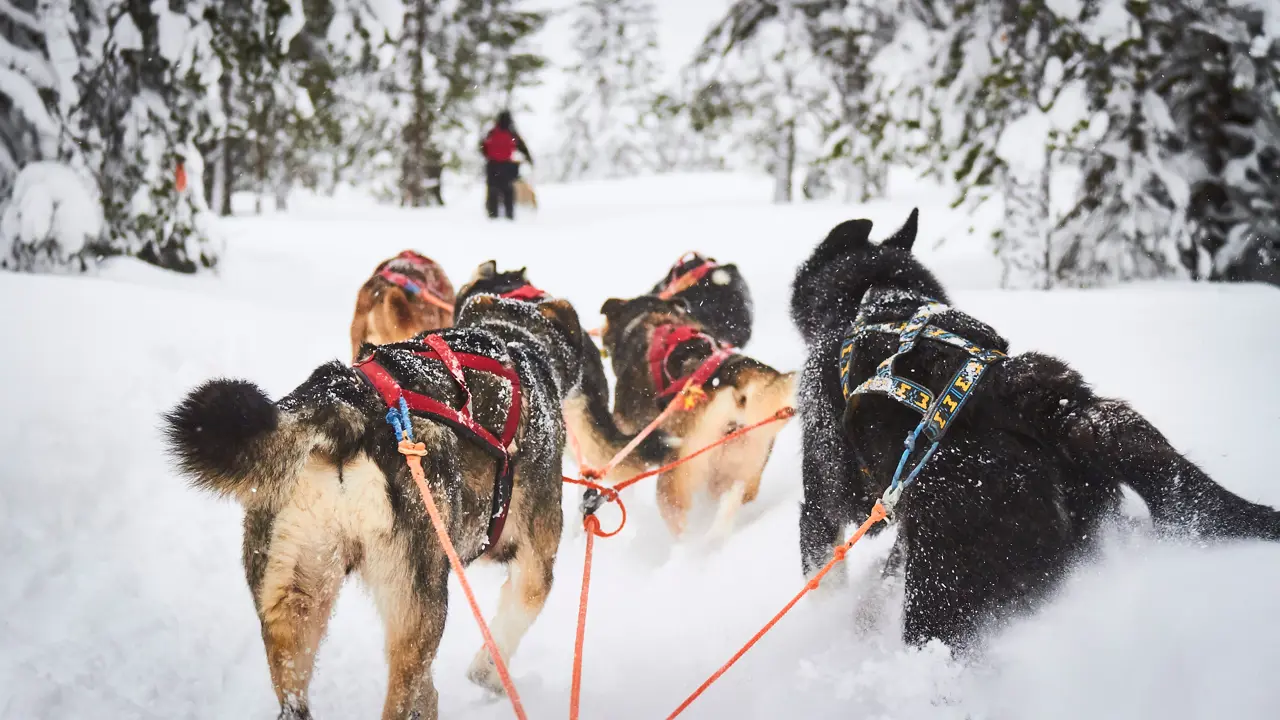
[1011, 462]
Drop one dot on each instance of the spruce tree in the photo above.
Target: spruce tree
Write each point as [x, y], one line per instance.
[142, 104]
[30, 123]
[610, 105]
[1220, 70]
[759, 62]
[448, 58]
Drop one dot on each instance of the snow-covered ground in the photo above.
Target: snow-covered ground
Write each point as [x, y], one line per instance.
[122, 595]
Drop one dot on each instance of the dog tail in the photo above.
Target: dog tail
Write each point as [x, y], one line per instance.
[232, 440]
[1114, 440]
[1180, 496]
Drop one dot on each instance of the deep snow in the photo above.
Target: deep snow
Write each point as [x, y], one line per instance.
[123, 596]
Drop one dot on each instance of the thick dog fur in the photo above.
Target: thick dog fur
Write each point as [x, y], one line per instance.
[385, 313]
[586, 409]
[524, 194]
[326, 493]
[743, 391]
[1029, 469]
[720, 301]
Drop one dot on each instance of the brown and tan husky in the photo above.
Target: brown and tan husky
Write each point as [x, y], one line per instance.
[654, 345]
[327, 494]
[406, 295]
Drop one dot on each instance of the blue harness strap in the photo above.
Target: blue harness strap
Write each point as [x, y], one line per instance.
[936, 410]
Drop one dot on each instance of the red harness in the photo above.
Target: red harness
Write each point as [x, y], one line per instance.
[689, 278]
[460, 419]
[411, 286]
[666, 338]
[527, 293]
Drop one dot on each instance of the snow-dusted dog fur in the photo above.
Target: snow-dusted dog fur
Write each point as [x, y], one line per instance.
[743, 391]
[1024, 476]
[721, 301]
[385, 313]
[326, 493]
[586, 409]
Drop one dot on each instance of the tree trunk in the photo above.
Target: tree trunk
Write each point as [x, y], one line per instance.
[785, 166]
[218, 202]
[415, 190]
[220, 195]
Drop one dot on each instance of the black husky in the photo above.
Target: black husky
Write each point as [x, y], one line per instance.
[326, 492]
[1027, 469]
[716, 295]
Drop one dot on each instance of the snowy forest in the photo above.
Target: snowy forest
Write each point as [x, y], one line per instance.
[1116, 139]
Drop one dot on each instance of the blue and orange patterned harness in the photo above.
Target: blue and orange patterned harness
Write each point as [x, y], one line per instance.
[937, 411]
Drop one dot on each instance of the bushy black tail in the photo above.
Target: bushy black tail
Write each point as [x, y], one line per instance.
[1117, 442]
[229, 438]
[1179, 494]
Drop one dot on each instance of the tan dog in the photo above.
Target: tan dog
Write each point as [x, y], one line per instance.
[525, 195]
[327, 495]
[405, 295]
[740, 392]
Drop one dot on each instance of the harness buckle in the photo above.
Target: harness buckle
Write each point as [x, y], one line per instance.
[890, 498]
[591, 502]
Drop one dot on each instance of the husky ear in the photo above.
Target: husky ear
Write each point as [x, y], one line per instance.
[611, 306]
[906, 235]
[851, 232]
[561, 311]
[486, 270]
[524, 273]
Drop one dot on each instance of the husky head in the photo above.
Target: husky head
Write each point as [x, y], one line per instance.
[830, 285]
[622, 318]
[487, 280]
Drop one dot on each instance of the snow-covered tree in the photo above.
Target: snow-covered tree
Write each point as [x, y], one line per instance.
[28, 93]
[145, 94]
[447, 56]
[266, 112]
[112, 96]
[1220, 73]
[610, 105]
[678, 140]
[847, 36]
[33, 212]
[1123, 139]
[758, 67]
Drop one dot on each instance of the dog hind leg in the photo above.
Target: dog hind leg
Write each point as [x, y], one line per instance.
[299, 582]
[675, 489]
[731, 500]
[412, 597]
[529, 578]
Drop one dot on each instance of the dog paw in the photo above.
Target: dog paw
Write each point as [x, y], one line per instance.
[294, 713]
[484, 673]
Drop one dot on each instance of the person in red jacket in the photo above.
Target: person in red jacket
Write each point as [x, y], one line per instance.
[501, 169]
